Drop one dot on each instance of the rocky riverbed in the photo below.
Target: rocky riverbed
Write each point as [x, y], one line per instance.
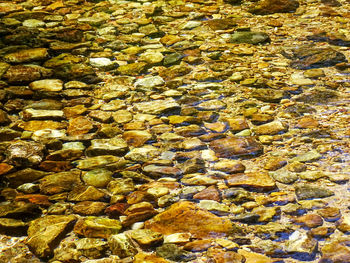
[174, 131]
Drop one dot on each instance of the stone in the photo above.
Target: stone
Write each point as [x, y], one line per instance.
[283, 176]
[138, 212]
[251, 257]
[121, 245]
[122, 116]
[187, 217]
[91, 247]
[177, 238]
[102, 63]
[302, 244]
[97, 227]
[33, 114]
[160, 171]
[146, 237]
[275, 163]
[344, 223]
[249, 37]
[148, 258]
[132, 69]
[27, 55]
[172, 59]
[220, 255]
[308, 57]
[136, 138]
[237, 124]
[307, 122]
[98, 177]
[49, 85]
[269, 95]
[236, 147]
[149, 83]
[4, 119]
[120, 186]
[44, 233]
[5, 168]
[27, 175]
[309, 220]
[305, 191]
[25, 153]
[172, 252]
[42, 125]
[229, 166]
[89, 208]
[59, 182]
[13, 227]
[265, 7]
[142, 154]
[114, 146]
[213, 206]
[334, 252]
[330, 214]
[92, 163]
[79, 125]
[260, 181]
[26, 73]
[151, 57]
[310, 156]
[85, 193]
[271, 128]
[157, 106]
[210, 193]
[18, 209]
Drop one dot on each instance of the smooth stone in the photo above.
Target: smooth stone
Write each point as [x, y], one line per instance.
[47, 85]
[309, 220]
[33, 114]
[237, 124]
[210, 193]
[149, 83]
[97, 227]
[275, 163]
[33, 23]
[161, 171]
[191, 24]
[304, 192]
[5, 168]
[122, 116]
[142, 257]
[132, 69]
[312, 175]
[310, 156]
[7, 134]
[136, 138]
[45, 232]
[344, 223]
[330, 214]
[138, 212]
[13, 227]
[102, 63]
[252, 257]
[97, 177]
[64, 155]
[27, 55]
[235, 147]
[42, 125]
[187, 217]
[285, 177]
[28, 188]
[198, 179]
[224, 256]
[91, 247]
[335, 251]
[157, 106]
[260, 181]
[212, 205]
[151, 57]
[79, 125]
[307, 122]
[266, 7]
[97, 162]
[271, 128]
[249, 37]
[142, 154]
[214, 105]
[114, 146]
[268, 95]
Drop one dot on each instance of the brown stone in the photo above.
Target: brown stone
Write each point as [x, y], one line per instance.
[37, 199]
[329, 213]
[80, 125]
[198, 245]
[97, 227]
[210, 193]
[148, 258]
[59, 182]
[229, 166]
[187, 217]
[275, 163]
[335, 252]
[265, 7]
[42, 125]
[309, 220]
[307, 122]
[221, 256]
[5, 168]
[55, 166]
[27, 55]
[238, 123]
[138, 212]
[27, 175]
[235, 147]
[26, 73]
[251, 257]
[136, 138]
[260, 181]
[89, 208]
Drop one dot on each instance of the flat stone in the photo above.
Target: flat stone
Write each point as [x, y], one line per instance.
[148, 258]
[265, 7]
[9, 226]
[310, 156]
[54, 85]
[81, 193]
[187, 217]
[149, 83]
[122, 116]
[121, 186]
[283, 176]
[27, 175]
[97, 227]
[159, 171]
[25, 153]
[335, 251]
[304, 192]
[45, 232]
[271, 128]
[309, 220]
[235, 147]
[146, 237]
[42, 125]
[269, 95]
[249, 37]
[27, 55]
[299, 242]
[138, 212]
[255, 180]
[97, 177]
[229, 166]
[220, 255]
[157, 106]
[132, 69]
[114, 146]
[98, 162]
[136, 138]
[308, 57]
[59, 182]
[91, 247]
[26, 73]
[79, 125]
[251, 257]
[89, 208]
[33, 114]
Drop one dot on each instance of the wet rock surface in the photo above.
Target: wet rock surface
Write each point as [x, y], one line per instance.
[174, 131]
